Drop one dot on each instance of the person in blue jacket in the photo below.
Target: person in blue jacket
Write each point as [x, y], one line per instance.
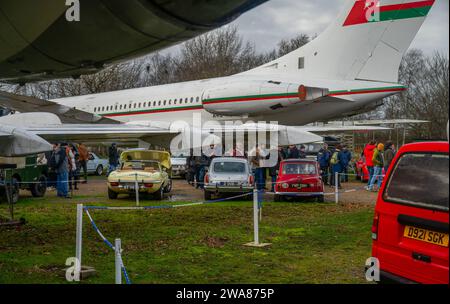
[345, 158]
[323, 157]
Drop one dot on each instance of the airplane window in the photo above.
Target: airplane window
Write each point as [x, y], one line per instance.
[140, 105]
[116, 107]
[175, 101]
[192, 99]
[154, 103]
[135, 106]
[165, 102]
[95, 109]
[198, 99]
[186, 100]
[103, 109]
[159, 103]
[121, 107]
[170, 101]
[301, 63]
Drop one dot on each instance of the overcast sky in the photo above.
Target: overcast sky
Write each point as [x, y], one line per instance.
[278, 19]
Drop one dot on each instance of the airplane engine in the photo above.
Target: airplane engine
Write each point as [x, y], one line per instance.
[251, 98]
[39, 43]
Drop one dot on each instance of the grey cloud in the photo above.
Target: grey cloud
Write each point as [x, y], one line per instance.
[279, 19]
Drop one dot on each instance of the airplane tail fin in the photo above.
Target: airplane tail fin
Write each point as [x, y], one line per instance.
[366, 42]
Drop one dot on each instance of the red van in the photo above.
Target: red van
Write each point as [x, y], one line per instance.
[410, 229]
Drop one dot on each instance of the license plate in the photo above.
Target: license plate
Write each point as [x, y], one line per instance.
[432, 237]
[301, 186]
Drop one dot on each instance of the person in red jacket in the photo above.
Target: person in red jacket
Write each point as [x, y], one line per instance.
[368, 155]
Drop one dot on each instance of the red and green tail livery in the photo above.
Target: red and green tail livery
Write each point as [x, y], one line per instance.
[368, 11]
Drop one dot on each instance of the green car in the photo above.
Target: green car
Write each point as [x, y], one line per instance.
[29, 175]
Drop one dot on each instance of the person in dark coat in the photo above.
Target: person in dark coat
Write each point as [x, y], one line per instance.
[302, 152]
[273, 171]
[293, 152]
[323, 157]
[346, 158]
[113, 156]
[389, 154]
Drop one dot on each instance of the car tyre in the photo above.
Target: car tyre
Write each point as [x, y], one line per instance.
[38, 189]
[112, 195]
[321, 199]
[99, 170]
[160, 194]
[278, 198]
[208, 195]
[169, 187]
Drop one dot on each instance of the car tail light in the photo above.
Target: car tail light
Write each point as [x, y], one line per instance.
[251, 179]
[114, 184]
[207, 179]
[376, 220]
[148, 185]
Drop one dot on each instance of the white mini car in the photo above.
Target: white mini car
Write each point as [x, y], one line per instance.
[228, 175]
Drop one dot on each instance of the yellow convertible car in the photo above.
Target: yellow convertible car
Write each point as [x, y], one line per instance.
[149, 170]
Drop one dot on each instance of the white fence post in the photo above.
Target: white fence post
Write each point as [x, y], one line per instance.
[136, 186]
[256, 217]
[118, 263]
[79, 235]
[336, 187]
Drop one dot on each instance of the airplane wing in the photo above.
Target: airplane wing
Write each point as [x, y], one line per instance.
[26, 104]
[40, 42]
[324, 129]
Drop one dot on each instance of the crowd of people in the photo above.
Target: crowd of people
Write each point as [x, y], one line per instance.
[65, 163]
[378, 157]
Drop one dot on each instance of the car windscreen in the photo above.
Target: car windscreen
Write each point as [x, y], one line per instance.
[140, 166]
[420, 179]
[229, 167]
[300, 168]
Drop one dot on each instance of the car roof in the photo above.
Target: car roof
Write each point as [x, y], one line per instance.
[230, 159]
[305, 160]
[435, 146]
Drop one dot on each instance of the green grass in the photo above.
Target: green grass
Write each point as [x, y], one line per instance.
[312, 243]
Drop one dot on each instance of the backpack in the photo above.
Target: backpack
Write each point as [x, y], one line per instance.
[335, 158]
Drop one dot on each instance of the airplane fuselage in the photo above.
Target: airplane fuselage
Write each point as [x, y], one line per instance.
[179, 101]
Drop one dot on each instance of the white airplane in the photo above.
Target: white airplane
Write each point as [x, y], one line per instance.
[347, 70]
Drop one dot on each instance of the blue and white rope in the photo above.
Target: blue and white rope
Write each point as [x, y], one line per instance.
[109, 244]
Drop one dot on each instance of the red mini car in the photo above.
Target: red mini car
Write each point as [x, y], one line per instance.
[299, 178]
[410, 229]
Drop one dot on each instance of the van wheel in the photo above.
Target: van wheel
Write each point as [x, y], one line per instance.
[112, 195]
[160, 194]
[208, 195]
[169, 186]
[321, 199]
[99, 170]
[39, 189]
[278, 198]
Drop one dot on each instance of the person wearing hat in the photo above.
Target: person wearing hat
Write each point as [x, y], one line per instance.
[378, 163]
